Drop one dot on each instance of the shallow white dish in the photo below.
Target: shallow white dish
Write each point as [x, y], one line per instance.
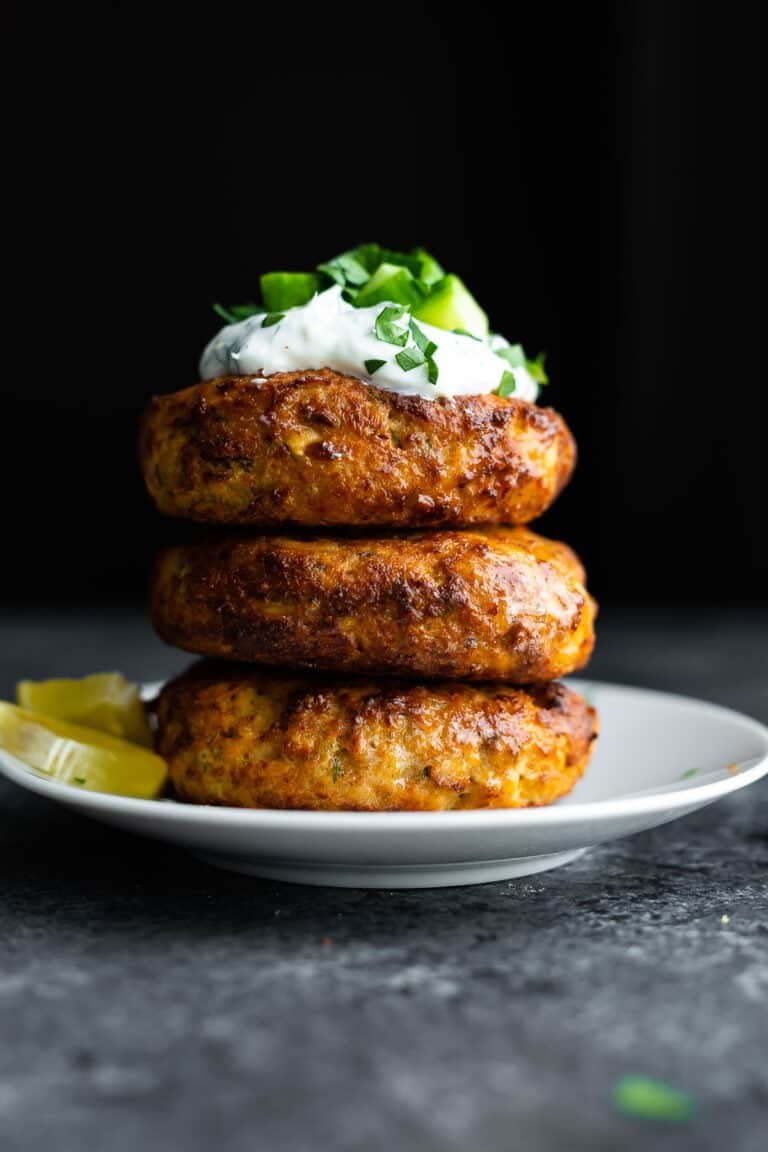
[658, 757]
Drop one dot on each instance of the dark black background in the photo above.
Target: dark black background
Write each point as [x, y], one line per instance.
[591, 173]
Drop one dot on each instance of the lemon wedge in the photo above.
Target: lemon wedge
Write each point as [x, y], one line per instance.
[106, 701]
[84, 757]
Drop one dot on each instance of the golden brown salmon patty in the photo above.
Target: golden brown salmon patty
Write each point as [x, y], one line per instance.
[256, 738]
[316, 448]
[499, 603]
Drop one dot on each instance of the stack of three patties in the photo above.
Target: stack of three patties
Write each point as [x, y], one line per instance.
[386, 638]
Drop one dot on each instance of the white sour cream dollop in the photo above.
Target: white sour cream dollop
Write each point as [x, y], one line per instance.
[327, 332]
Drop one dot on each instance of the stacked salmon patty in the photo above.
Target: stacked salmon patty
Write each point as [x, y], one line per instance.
[392, 639]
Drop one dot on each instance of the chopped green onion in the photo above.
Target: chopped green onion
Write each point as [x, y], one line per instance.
[272, 318]
[390, 326]
[372, 366]
[282, 290]
[508, 384]
[411, 358]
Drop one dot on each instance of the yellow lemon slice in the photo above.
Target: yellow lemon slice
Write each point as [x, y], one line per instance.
[80, 756]
[106, 701]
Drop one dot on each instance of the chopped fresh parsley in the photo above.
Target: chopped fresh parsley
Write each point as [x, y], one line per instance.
[422, 342]
[336, 769]
[237, 312]
[514, 355]
[516, 358]
[537, 369]
[391, 325]
[345, 270]
[372, 366]
[410, 358]
[409, 284]
[508, 384]
[653, 1100]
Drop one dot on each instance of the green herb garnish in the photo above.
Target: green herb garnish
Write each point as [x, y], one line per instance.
[409, 284]
[372, 366]
[391, 327]
[411, 358]
[653, 1100]
[516, 358]
[345, 270]
[336, 769]
[514, 355]
[422, 342]
[237, 312]
[537, 369]
[508, 384]
[79, 779]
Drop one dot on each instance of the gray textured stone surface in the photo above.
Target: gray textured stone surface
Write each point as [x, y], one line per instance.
[148, 1002]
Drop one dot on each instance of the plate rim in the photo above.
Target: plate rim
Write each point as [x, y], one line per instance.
[691, 796]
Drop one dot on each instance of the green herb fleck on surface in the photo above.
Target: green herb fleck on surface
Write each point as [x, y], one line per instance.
[237, 312]
[537, 370]
[79, 779]
[422, 342]
[463, 332]
[514, 355]
[516, 358]
[653, 1100]
[410, 358]
[336, 769]
[691, 772]
[391, 327]
[508, 384]
[226, 315]
[345, 270]
[272, 318]
[372, 366]
[432, 371]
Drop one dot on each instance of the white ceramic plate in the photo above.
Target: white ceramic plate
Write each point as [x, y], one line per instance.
[658, 757]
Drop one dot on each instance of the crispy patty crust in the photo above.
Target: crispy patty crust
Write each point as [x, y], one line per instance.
[317, 448]
[256, 738]
[499, 603]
